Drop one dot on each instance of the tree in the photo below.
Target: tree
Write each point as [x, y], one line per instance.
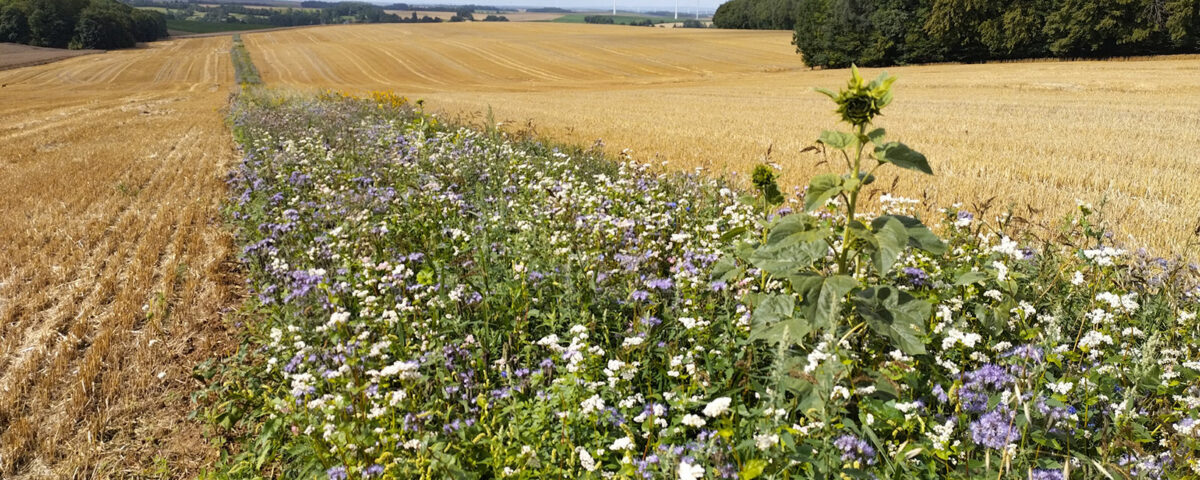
[14, 24]
[51, 23]
[104, 25]
[148, 25]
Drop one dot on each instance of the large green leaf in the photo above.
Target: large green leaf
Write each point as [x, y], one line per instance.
[821, 296]
[772, 314]
[969, 277]
[901, 156]
[797, 228]
[891, 238]
[876, 136]
[787, 258]
[821, 189]
[838, 140]
[919, 236]
[896, 315]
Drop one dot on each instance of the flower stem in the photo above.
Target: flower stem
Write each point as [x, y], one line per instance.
[853, 203]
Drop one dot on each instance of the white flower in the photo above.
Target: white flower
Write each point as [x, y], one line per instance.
[593, 404]
[955, 336]
[585, 459]
[1077, 280]
[766, 441]
[688, 471]
[632, 341]
[717, 407]
[1093, 339]
[1001, 270]
[623, 443]
[693, 420]
[1061, 388]
[993, 294]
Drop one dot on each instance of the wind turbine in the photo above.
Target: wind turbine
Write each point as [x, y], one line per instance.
[614, 7]
[677, 9]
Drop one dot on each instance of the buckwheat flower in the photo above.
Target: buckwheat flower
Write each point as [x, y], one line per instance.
[1061, 388]
[693, 420]
[766, 441]
[623, 443]
[1077, 279]
[690, 471]
[994, 430]
[718, 406]
[585, 459]
[593, 404]
[855, 449]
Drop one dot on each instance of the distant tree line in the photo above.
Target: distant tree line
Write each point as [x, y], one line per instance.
[547, 10]
[99, 24]
[313, 13]
[599, 19]
[837, 33]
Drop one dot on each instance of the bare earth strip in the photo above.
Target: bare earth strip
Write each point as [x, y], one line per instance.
[13, 55]
[1039, 134]
[115, 268]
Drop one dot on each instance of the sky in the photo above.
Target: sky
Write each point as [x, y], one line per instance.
[684, 5]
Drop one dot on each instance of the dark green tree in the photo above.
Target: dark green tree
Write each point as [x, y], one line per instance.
[105, 25]
[14, 24]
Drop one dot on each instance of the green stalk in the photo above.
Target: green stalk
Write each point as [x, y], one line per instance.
[852, 205]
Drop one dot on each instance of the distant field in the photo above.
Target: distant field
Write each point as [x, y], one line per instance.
[1041, 134]
[619, 19]
[420, 14]
[192, 26]
[14, 55]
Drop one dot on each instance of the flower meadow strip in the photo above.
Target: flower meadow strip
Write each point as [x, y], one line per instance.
[438, 302]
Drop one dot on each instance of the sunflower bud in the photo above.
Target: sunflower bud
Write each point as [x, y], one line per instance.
[765, 181]
[860, 102]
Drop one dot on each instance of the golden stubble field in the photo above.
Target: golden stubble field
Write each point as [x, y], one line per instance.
[115, 266]
[1033, 134]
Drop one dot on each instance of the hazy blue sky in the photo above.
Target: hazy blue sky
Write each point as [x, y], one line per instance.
[684, 5]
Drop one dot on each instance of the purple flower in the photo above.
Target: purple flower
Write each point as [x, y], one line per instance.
[1047, 474]
[336, 473]
[660, 283]
[916, 277]
[640, 295]
[994, 430]
[855, 449]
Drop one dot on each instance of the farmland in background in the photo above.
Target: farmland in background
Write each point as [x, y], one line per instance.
[618, 19]
[115, 265]
[193, 26]
[1037, 135]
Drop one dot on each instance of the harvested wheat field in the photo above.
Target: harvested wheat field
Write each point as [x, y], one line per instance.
[115, 266]
[1034, 135]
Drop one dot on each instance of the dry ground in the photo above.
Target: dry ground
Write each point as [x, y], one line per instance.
[14, 55]
[115, 267]
[1041, 134]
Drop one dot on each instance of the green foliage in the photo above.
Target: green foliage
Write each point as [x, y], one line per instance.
[14, 24]
[105, 25]
[434, 302]
[100, 24]
[243, 66]
[837, 33]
